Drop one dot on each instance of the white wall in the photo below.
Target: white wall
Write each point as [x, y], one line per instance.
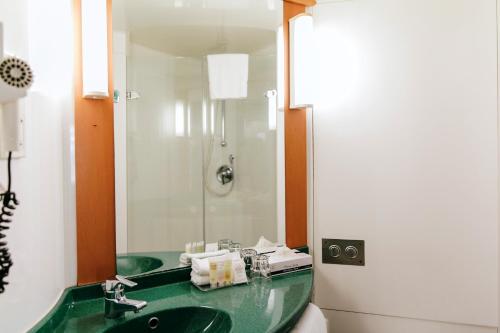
[406, 158]
[42, 237]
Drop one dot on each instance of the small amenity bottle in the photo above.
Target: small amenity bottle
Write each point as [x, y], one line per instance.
[212, 273]
[228, 272]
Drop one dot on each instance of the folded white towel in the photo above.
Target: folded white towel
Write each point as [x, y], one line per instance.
[239, 275]
[199, 280]
[187, 258]
[202, 267]
[228, 75]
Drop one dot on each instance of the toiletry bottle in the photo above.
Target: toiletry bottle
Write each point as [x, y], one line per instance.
[212, 273]
[220, 273]
[228, 271]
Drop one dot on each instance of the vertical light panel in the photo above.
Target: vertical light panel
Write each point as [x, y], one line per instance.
[94, 49]
[301, 52]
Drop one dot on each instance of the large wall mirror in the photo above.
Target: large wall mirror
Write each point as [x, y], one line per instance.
[198, 137]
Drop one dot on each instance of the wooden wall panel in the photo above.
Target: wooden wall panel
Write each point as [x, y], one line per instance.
[295, 149]
[95, 189]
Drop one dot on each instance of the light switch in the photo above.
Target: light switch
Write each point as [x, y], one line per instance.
[343, 252]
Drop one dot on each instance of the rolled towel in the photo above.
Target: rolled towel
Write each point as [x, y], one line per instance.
[187, 258]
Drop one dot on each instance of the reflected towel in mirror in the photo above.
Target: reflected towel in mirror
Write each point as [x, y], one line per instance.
[186, 258]
[228, 76]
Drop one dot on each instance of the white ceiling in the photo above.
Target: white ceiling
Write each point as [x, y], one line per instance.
[199, 27]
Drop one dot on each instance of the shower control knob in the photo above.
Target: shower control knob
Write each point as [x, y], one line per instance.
[335, 251]
[225, 174]
[351, 252]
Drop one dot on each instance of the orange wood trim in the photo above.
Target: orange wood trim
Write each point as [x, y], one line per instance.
[306, 3]
[95, 182]
[295, 148]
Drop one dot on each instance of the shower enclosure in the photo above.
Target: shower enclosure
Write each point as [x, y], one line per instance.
[196, 168]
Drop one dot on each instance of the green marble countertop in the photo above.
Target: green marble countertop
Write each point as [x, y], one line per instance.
[272, 306]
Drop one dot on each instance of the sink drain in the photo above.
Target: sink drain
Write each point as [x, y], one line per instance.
[153, 323]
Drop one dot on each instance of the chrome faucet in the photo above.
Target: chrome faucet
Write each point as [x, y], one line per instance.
[115, 302]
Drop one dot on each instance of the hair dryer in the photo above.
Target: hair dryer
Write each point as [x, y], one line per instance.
[16, 78]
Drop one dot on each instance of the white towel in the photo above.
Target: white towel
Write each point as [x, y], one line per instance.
[228, 75]
[199, 280]
[311, 321]
[202, 267]
[187, 258]
[239, 274]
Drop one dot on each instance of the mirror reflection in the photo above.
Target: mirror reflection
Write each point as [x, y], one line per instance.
[197, 132]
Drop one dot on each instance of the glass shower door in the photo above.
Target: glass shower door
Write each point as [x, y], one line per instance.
[164, 151]
[244, 209]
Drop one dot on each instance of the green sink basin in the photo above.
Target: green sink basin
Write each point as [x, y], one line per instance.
[179, 320]
[133, 265]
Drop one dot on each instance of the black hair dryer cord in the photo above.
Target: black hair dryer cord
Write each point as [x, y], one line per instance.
[9, 203]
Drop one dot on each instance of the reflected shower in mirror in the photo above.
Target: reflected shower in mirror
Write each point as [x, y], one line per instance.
[197, 132]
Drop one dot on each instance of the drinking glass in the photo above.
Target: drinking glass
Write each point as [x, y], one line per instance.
[235, 247]
[224, 244]
[248, 256]
[261, 267]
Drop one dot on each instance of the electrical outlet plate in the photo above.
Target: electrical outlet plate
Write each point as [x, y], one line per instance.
[341, 251]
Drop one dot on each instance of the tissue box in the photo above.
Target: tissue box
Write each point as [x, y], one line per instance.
[287, 263]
